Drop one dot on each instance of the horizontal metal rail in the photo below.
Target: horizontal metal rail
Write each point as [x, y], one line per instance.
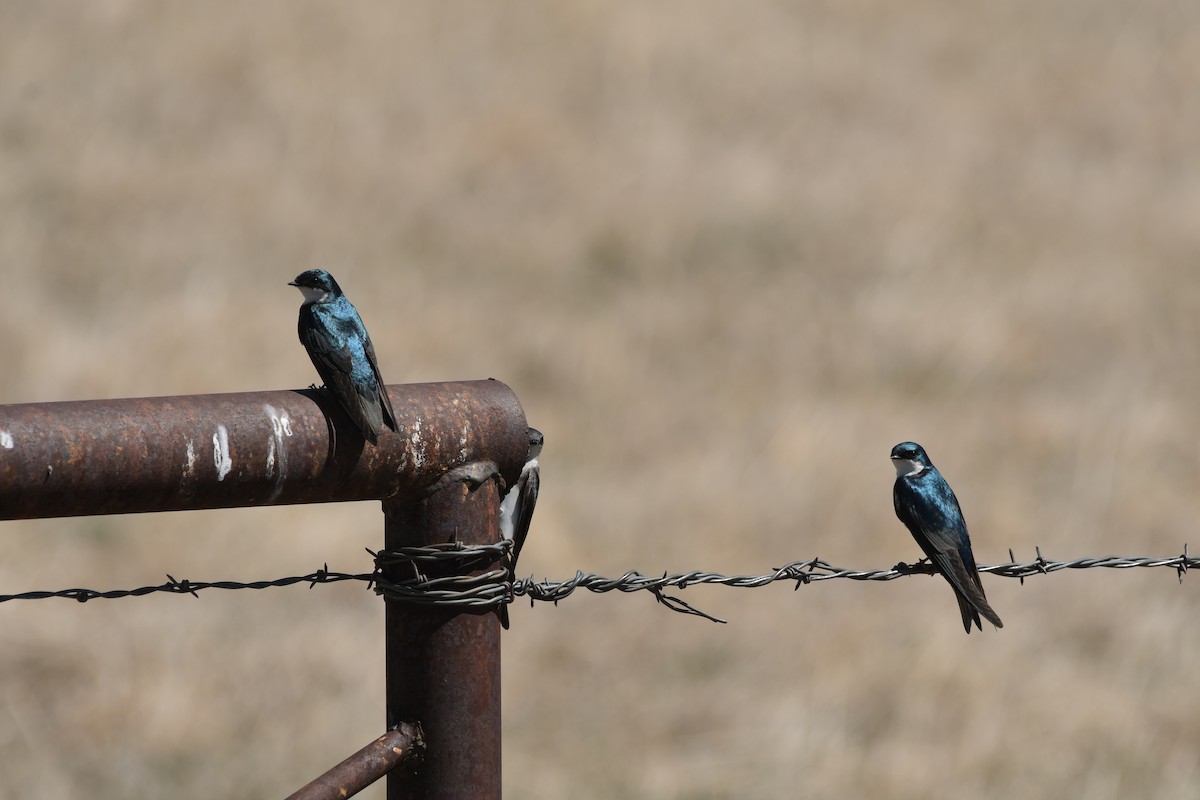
[249, 449]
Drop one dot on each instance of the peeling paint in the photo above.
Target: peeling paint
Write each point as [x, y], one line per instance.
[281, 425]
[221, 459]
[6, 440]
[418, 444]
[462, 441]
[189, 469]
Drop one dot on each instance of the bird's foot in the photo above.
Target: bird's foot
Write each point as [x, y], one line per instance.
[913, 569]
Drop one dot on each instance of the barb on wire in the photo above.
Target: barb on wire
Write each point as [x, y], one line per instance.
[440, 575]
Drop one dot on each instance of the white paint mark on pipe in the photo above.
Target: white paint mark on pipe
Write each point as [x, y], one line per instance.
[189, 469]
[221, 458]
[281, 426]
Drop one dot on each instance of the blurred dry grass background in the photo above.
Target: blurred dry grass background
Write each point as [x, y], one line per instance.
[727, 254]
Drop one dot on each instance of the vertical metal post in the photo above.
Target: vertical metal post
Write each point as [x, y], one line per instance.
[443, 666]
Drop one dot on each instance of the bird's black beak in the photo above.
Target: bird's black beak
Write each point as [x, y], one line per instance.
[292, 283]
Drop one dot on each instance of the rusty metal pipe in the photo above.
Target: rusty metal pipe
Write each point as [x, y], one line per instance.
[250, 449]
[403, 746]
[443, 666]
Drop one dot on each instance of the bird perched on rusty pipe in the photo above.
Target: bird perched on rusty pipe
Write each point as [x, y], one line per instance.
[926, 504]
[333, 333]
[516, 509]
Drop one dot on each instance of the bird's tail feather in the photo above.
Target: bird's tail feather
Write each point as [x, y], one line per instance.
[974, 605]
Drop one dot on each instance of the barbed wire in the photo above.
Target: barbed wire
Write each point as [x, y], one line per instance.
[438, 576]
[816, 569]
[185, 586]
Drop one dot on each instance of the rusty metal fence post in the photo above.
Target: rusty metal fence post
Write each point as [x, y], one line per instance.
[443, 667]
[285, 447]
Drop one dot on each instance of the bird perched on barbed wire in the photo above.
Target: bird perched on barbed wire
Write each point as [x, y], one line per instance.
[337, 342]
[516, 509]
[926, 504]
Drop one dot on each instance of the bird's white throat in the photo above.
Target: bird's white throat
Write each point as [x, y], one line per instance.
[312, 294]
[906, 467]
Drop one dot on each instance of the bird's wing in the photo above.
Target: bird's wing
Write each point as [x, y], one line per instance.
[389, 414]
[516, 512]
[326, 357]
[945, 547]
[940, 545]
[335, 365]
[531, 480]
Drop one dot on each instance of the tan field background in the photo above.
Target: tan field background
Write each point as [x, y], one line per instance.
[727, 254]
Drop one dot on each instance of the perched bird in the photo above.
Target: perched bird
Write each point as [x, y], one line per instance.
[926, 504]
[516, 509]
[337, 342]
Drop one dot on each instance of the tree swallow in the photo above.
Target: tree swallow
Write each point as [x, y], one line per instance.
[337, 342]
[926, 504]
[516, 509]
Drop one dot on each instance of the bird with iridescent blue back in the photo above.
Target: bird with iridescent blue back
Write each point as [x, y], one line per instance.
[333, 333]
[516, 509]
[926, 504]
